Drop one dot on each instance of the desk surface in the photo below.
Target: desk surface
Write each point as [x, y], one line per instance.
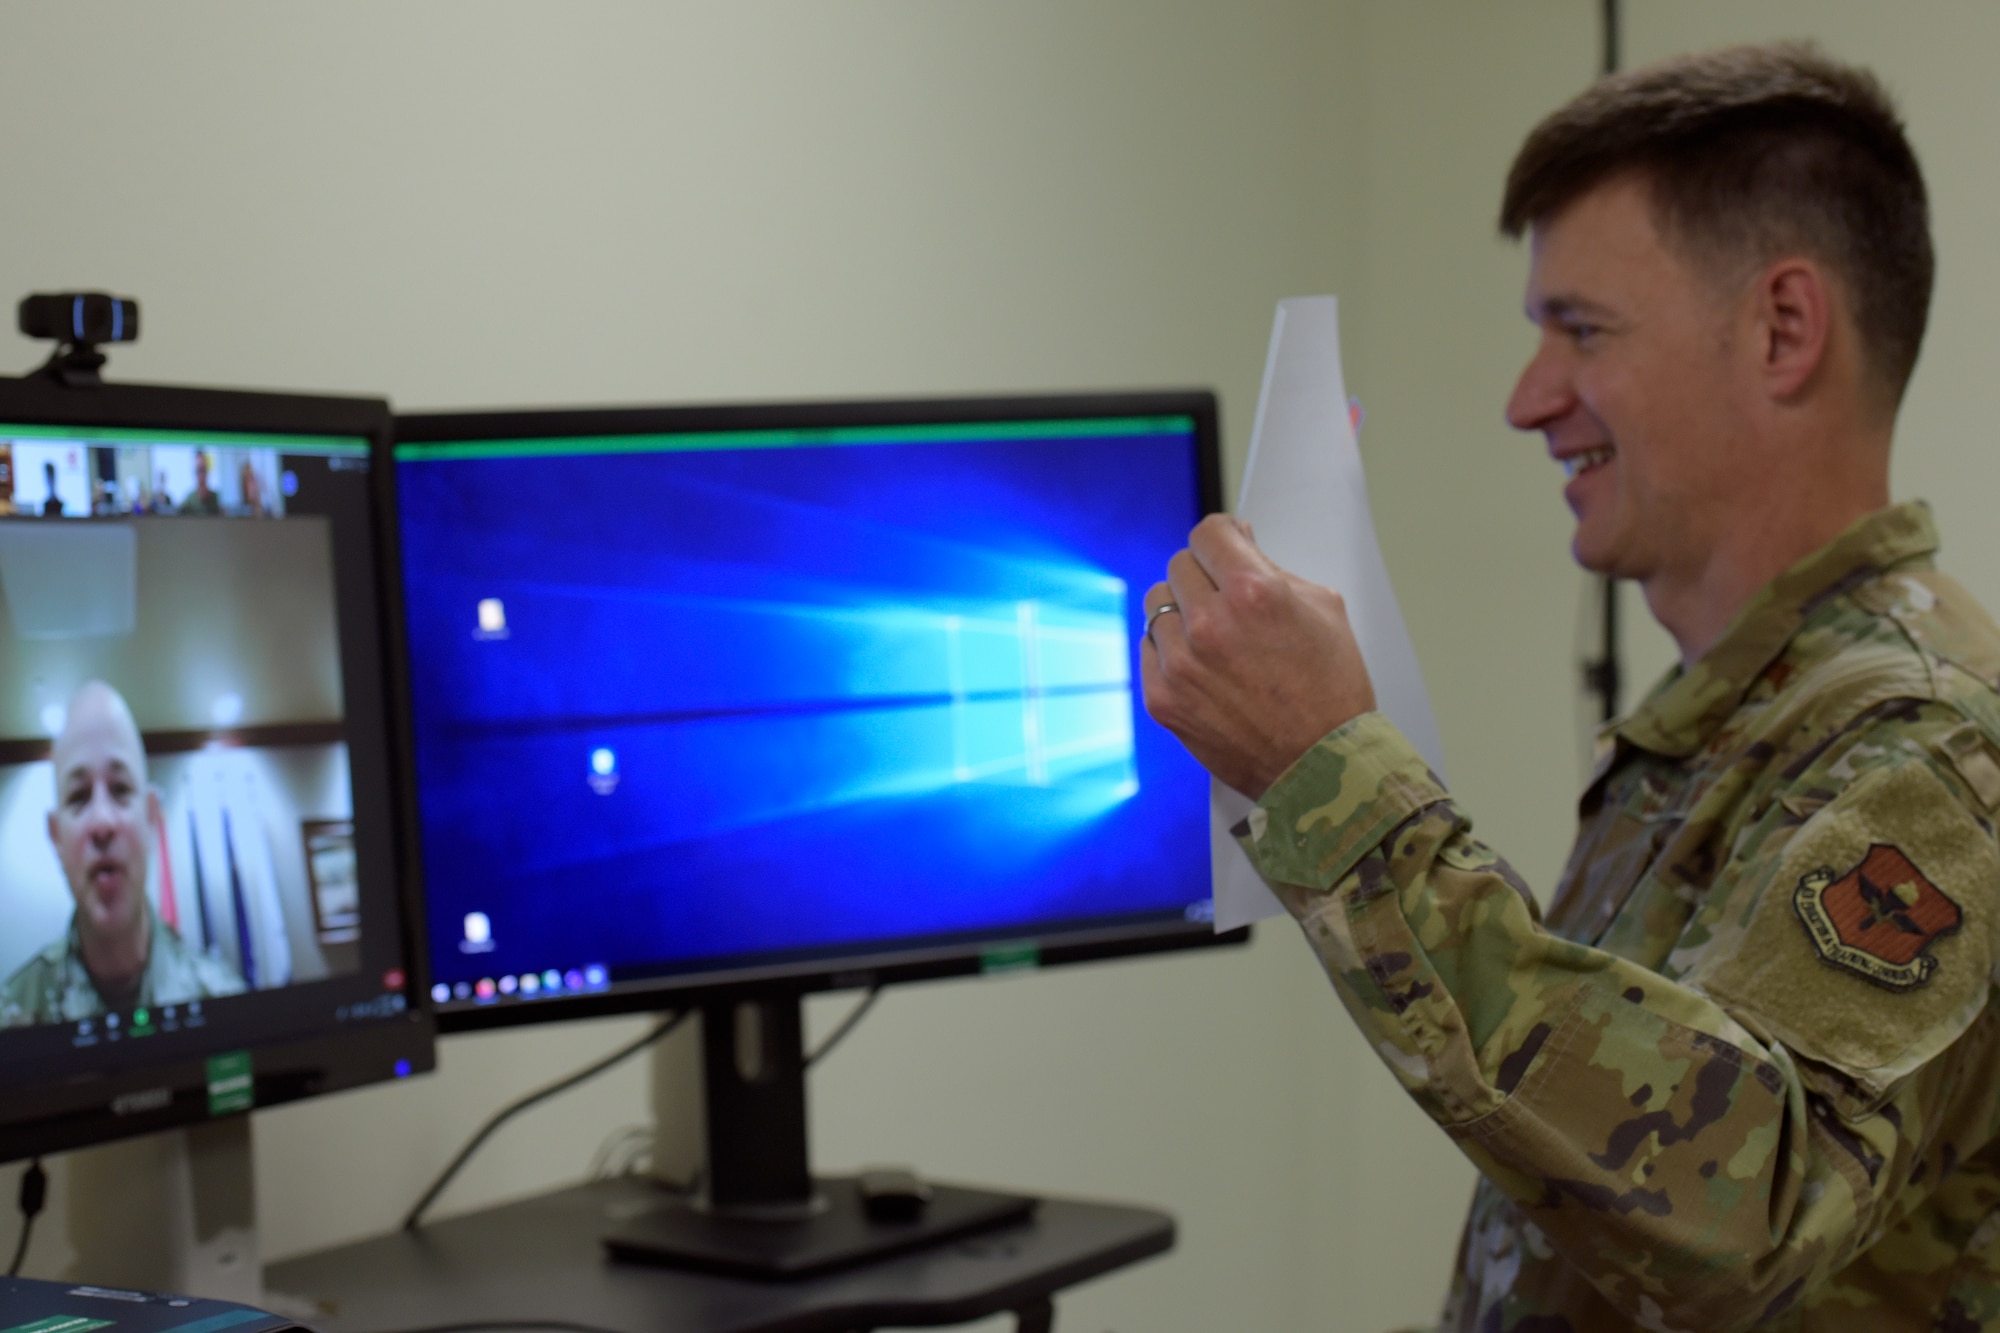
[541, 1259]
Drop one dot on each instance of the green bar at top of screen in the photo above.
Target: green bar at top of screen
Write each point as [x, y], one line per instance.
[1080, 428]
[344, 445]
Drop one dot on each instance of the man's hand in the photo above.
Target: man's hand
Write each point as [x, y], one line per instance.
[1252, 665]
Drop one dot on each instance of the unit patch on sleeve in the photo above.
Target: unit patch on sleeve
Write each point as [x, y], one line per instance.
[1879, 919]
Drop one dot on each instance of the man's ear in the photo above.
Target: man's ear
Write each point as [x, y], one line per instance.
[1794, 307]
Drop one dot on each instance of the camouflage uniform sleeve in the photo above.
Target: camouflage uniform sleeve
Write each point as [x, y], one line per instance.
[1705, 1152]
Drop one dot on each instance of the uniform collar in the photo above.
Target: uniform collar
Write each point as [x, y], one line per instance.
[154, 952]
[1679, 717]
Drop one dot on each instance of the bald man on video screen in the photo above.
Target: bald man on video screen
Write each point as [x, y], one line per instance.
[117, 953]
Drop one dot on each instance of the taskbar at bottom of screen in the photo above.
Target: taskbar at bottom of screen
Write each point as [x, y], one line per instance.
[986, 952]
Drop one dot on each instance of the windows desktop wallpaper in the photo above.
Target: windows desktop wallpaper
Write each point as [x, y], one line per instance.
[683, 701]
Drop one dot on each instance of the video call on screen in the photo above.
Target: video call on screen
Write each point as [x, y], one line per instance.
[680, 701]
[172, 744]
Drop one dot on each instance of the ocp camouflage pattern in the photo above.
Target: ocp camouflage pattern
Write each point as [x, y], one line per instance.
[1687, 1114]
[53, 986]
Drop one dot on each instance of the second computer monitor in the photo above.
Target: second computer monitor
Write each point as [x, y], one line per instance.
[795, 695]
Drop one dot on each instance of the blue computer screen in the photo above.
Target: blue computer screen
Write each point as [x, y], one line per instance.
[686, 701]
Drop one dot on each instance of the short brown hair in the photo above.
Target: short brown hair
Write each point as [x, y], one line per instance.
[1750, 153]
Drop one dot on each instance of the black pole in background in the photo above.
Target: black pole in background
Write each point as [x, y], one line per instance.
[1603, 675]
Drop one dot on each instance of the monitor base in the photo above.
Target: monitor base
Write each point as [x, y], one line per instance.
[681, 1234]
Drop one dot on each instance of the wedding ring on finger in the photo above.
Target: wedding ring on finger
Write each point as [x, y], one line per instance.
[1155, 614]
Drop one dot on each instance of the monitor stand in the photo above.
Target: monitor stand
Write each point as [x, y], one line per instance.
[758, 1211]
[170, 1212]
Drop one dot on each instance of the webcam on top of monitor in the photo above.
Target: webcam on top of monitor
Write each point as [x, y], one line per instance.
[78, 323]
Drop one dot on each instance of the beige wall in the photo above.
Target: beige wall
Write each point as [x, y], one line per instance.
[468, 203]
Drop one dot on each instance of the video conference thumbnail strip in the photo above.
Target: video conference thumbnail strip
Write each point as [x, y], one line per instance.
[99, 472]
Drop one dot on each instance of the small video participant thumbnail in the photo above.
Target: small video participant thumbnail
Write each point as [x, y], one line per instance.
[175, 804]
[63, 478]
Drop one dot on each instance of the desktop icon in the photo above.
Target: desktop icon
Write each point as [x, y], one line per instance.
[603, 770]
[552, 980]
[440, 993]
[573, 979]
[530, 982]
[462, 991]
[507, 985]
[478, 936]
[595, 977]
[484, 990]
[492, 619]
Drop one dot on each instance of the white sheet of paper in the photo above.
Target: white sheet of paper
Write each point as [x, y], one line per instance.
[1304, 492]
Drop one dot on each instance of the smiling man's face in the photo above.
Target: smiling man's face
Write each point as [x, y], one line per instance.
[103, 822]
[1633, 385]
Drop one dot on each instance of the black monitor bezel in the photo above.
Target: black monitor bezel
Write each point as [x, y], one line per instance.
[852, 970]
[91, 1108]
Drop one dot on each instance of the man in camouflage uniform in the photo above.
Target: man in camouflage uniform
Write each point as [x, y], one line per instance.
[116, 954]
[1746, 1072]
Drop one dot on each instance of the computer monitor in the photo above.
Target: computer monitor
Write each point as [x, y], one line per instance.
[728, 703]
[201, 911]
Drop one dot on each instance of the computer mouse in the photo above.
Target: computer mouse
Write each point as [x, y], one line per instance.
[892, 1194]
